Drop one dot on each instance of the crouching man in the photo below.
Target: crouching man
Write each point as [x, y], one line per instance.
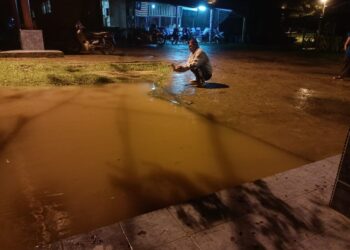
[198, 62]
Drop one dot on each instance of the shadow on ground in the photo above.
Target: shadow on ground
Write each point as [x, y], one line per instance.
[214, 85]
[6, 137]
[257, 219]
[161, 187]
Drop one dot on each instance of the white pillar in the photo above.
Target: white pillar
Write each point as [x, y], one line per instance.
[210, 24]
[243, 29]
[180, 18]
[177, 16]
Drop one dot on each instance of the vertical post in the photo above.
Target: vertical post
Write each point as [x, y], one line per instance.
[340, 200]
[320, 24]
[324, 8]
[243, 29]
[180, 17]
[218, 17]
[321, 20]
[177, 16]
[27, 15]
[159, 21]
[211, 25]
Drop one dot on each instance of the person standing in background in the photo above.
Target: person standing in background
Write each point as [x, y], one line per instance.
[346, 69]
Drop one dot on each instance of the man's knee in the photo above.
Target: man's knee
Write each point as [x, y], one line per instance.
[201, 73]
[206, 75]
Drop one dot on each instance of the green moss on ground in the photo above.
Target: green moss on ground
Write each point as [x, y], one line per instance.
[31, 73]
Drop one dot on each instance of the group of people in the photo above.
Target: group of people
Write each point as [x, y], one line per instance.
[199, 63]
[183, 36]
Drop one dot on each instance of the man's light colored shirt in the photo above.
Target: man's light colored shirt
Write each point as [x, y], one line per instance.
[199, 59]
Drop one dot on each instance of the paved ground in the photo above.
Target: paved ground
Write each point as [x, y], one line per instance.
[285, 211]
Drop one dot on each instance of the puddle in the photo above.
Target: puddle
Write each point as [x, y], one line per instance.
[325, 107]
[302, 96]
[74, 159]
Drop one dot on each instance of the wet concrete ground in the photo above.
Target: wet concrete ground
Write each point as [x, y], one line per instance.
[58, 145]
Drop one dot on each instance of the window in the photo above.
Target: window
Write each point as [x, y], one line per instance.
[46, 7]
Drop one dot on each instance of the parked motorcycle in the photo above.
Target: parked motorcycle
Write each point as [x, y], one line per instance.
[154, 36]
[92, 41]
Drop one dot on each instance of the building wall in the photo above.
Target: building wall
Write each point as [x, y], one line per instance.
[8, 26]
[118, 12]
[66, 13]
[58, 25]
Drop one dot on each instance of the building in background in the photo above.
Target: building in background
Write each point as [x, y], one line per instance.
[164, 14]
[57, 18]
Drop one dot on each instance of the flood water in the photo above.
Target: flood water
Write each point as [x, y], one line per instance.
[74, 159]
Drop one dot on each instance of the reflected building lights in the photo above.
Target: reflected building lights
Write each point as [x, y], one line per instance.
[302, 97]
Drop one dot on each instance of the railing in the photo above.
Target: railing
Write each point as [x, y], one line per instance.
[340, 200]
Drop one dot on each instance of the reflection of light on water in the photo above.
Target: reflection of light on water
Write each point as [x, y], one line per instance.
[180, 85]
[154, 86]
[174, 102]
[180, 54]
[50, 218]
[302, 97]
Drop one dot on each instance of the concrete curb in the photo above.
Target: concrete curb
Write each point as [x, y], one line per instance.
[31, 53]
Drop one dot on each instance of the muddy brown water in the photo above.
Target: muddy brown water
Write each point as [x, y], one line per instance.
[74, 159]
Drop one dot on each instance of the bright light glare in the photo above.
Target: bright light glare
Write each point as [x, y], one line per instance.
[323, 1]
[202, 8]
[154, 87]
[153, 6]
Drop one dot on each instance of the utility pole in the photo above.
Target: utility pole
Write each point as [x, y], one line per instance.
[27, 15]
[319, 44]
[324, 2]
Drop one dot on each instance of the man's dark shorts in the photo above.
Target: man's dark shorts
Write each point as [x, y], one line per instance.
[201, 73]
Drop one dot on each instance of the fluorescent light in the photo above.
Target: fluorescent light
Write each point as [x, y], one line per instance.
[202, 8]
